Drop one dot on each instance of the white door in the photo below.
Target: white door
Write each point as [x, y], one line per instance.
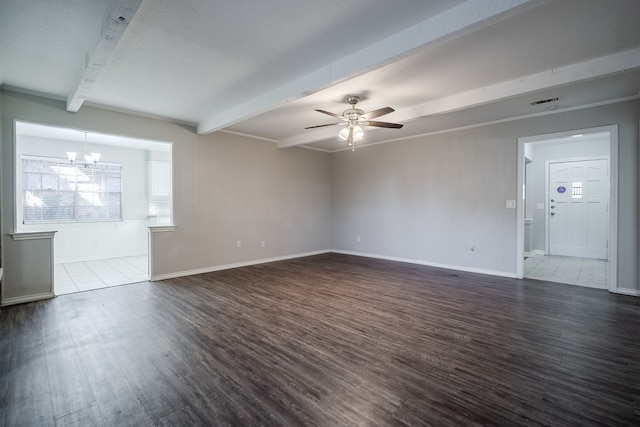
[578, 206]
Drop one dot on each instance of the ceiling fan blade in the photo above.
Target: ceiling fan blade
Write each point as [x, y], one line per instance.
[330, 113]
[321, 126]
[377, 113]
[382, 124]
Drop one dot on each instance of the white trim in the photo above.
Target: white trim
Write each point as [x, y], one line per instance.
[161, 228]
[19, 90]
[613, 208]
[308, 147]
[28, 298]
[626, 291]
[36, 235]
[520, 210]
[233, 265]
[138, 114]
[430, 264]
[534, 253]
[248, 135]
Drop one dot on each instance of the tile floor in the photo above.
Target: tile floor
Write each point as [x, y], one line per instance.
[575, 271]
[71, 277]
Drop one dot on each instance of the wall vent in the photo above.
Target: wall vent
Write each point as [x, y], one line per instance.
[544, 101]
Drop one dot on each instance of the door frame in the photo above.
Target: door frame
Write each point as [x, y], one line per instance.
[612, 250]
[547, 164]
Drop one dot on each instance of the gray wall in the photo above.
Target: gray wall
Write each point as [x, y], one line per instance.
[227, 188]
[2, 195]
[427, 199]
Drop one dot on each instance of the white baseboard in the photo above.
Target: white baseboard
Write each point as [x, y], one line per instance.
[535, 252]
[28, 298]
[627, 291]
[431, 264]
[233, 265]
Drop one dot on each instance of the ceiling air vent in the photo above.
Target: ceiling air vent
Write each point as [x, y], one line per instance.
[544, 101]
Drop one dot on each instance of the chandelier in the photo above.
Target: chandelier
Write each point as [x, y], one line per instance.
[88, 159]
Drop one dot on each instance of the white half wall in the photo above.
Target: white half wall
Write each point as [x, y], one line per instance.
[88, 241]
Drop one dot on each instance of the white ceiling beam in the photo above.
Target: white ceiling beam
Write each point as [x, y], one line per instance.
[595, 68]
[460, 20]
[116, 21]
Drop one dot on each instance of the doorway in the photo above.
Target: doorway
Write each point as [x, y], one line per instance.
[100, 193]
[567, 224]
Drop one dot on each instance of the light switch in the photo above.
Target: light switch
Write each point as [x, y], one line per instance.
[511, 204]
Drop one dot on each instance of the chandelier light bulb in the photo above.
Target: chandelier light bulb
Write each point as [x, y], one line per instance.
[358, 133]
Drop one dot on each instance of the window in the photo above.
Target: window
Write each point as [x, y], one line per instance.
[54, 191]
[576, 190]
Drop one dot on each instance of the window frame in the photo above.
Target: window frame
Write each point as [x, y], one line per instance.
[76, 196]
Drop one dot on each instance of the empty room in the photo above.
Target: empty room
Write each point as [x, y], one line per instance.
[319, 213]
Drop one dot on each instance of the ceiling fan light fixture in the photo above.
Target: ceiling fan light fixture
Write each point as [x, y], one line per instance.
[344, 134]
[353, 120]
[358, 133]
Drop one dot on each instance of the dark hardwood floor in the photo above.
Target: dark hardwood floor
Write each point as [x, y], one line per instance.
[327, 340]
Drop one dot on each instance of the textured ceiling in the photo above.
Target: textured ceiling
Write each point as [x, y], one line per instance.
[261, 68]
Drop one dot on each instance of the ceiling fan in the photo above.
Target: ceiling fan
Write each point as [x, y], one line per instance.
[354, 118]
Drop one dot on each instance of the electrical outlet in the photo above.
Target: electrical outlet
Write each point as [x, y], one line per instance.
[239, 243]
[358, 239]
[511, 204]
[472, 248]
[263, 243]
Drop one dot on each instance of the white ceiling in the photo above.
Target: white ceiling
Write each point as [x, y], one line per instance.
[261, 67]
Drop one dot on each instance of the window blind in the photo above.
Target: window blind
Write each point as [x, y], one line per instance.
[55, 191]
